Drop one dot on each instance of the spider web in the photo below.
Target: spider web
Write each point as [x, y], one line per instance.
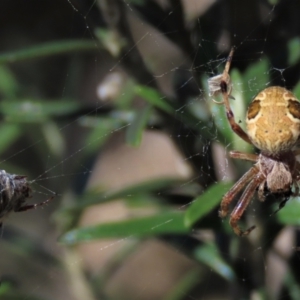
[191, 146]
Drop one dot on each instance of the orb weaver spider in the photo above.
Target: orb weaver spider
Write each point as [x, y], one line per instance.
[14, 192]
[273, 127]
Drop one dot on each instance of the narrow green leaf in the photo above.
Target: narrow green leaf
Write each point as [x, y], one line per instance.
[186, 283]
[209, 255]
[54, 138]
[124, 100]
[48, 49]
[205, 203]
[239, 107]
[95, 197]
[135, 131]
[255, 78]
[161, 223]
[154, 98]
[221, 122]
[293, 51]
[5, 287]
[100, 129]
[8, 134]
[36, 111]
[8, 82]
[18, 296]
[296, 90]
[292, 285]
[111, 40]
[290, 214]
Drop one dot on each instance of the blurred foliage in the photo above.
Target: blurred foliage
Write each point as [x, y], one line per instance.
[40, 117]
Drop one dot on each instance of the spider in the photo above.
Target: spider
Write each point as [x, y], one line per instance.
[273, 127]
[14, 191]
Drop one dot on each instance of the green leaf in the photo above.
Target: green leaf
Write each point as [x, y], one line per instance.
[135, 131]
[203, 204]
[225, 133]
[8, 82]
[154, 98]
[296, 90]
[209, 255]
[95, 197]
[101, 128]
[293, 51]
[186, 283]
[124, 100]
[18, 296]
[5, 287]
[239, 107]
[32, 111]
[161, 223]
[292, 285]
[48, 49]
[8, 134]
[273, 2]
[255, 78]
[221, 122]
[111, 40]
[289, 215]
[54, 138]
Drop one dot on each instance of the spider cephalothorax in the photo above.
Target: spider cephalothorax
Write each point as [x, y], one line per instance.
[273, 126]
[15, 190]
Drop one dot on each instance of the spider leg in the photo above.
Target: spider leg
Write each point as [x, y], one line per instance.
[214, 83]
[287, 198]
[242, 205]
[226, 90]
[261, 192]
[243, 156]
[230, 116]
[33, 206]
[229, 196]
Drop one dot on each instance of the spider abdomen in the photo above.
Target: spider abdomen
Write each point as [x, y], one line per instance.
[279, 171]
[14, 190]
[273, 120]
